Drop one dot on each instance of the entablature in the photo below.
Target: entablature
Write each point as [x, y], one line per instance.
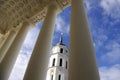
[14, 12]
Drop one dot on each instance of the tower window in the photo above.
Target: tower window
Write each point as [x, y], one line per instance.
[66, 51]
[53, 62]
[61, 50]
[66, 64]
[59, 77]
[60, 61]
[51, 77]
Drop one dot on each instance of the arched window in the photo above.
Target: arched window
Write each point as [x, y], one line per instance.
[66, 51]
[59, 77]
[66, 64]
[60, 61]
[61, 50]
[53, 62]
[51, 77]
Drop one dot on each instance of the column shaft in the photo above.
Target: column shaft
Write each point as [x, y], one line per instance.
[2, 40]
[7, 44]
[37, 67]
[10, 58]
[83, 64]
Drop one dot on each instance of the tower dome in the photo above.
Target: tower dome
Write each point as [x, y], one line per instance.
[60, 48]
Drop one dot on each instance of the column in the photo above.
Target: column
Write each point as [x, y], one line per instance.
[2, 40]
[7, 44]
[83, 65]
[38, 64]
[10, 58]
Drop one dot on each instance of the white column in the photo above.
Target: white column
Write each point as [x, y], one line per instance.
[37, 67]
[10, 58]
[7, 44]
[83, 64]
[2, 40]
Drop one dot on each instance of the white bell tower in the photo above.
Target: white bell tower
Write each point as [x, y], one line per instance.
[58, 63]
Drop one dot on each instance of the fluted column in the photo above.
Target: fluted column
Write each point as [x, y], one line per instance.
[83, 64]
[37, 67]
[10, 58]
[7, 44]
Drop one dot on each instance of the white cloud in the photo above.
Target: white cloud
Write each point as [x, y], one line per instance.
[24, 55]
[31, 38]
[110, 73]
[101, 40]
[20, 66]
[88, 5]
[99, 36]
[111, 8]
[113, 54]
[61, 25]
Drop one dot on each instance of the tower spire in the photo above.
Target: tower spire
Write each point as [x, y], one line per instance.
[61, 39]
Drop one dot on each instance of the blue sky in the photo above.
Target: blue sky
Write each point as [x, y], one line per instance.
[104, 21]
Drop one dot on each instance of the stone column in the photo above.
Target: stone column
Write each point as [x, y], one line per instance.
[83, 65]
[2, 40]
[10, 58]
[7, 44]
[37, 67]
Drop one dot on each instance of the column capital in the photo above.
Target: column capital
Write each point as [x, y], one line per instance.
[27, 23]
[54, 5]
[13, 30]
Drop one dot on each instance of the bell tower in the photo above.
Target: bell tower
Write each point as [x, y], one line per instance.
[58, 63]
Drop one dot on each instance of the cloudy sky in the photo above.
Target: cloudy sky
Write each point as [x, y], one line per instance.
[104, 21]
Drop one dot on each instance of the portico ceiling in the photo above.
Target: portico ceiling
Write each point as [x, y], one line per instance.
[14, 12]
